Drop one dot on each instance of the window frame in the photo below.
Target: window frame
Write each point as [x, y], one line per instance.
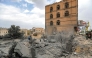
[66, 13]
[51, 16]
[58, 22]
[66, 4]
[51, 23]
[58, 15]
[58, 7]
[51, 9]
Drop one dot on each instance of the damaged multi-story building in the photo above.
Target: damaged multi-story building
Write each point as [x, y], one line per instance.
[61, 16]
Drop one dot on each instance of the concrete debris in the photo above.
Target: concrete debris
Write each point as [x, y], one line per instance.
[5, 48]
[82, 46]
[69, 46]
[61, 45]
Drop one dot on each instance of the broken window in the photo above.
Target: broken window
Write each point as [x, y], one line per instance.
[51, 23]
[66, 13]
[58, 7]
[51, 16]
[66, 5]
[51, 9]
[58, 22]
[58, 15]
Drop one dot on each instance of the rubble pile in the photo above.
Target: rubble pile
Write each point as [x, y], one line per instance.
[66, 45]
[82, 47]
[56, 46]
[5, 48]
[61, 45]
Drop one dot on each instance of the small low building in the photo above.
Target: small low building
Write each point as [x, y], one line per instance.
[37, 32]
[25, 31]
[3, 31]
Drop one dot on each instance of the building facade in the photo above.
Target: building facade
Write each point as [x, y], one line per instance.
[25, 31]
[3, 31]
[61, 16]
[37, 32]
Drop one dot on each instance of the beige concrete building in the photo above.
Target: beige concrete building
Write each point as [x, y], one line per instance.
[34, 31]
[3, 31]
[37, 32]
[61, 16]
[24, 31]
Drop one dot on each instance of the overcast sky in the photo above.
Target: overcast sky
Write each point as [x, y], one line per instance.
[31, 13]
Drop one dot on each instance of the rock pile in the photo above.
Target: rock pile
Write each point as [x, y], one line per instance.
[66, 45]
[61, 45]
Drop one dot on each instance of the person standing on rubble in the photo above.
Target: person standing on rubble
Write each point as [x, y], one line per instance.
[30, 38]
[32, 50]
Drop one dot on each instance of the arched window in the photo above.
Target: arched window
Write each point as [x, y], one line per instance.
[58, 15]
[51, 16]
[51, 9]
[58, 22]
[66, 5]
[58, 7]
[66, 13]
[51, 23]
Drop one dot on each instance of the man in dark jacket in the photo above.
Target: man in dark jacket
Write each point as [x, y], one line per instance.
[30, 38]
